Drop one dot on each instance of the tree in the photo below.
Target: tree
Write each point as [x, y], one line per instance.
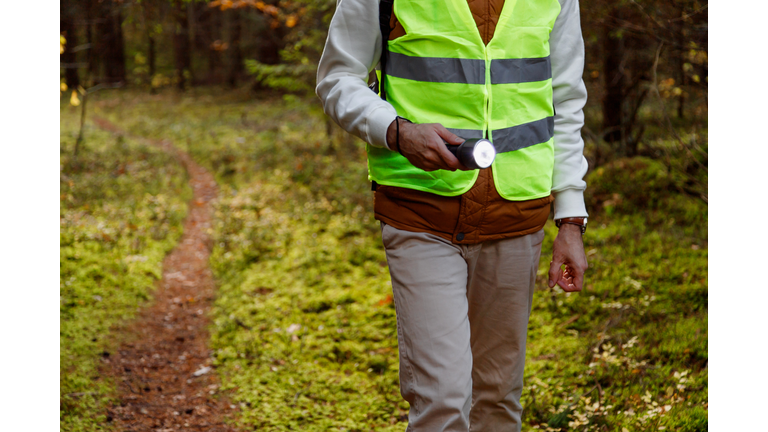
[235, 58]
[637, 41]
[110, 46]
[69, 56]
[181, 44]
[305, 26]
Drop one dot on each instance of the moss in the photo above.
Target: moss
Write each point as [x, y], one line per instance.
[693, 420]
[122, 205]
[629, 185]
[304, 327]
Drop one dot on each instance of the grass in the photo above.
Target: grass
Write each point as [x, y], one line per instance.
[304, 329]
[122, 204]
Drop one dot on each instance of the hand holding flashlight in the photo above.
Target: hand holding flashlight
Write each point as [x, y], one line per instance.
[424, 145]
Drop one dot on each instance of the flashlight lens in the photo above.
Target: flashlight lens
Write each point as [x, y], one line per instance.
[484, 153]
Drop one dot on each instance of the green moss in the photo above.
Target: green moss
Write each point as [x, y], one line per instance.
[122, 205]
[693, 420]
[663, 191]
[304, 332]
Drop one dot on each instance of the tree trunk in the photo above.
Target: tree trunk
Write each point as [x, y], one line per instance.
[681, 64]
[151, 57]
[191, 35]
[214, 34]
[614, 86]
[114, 67]
[271, 42]
[118, 47]
[236, 66]
[92, 57]
[69, 58]
[147, 24]
[109, 35]
[207, 31]
[183, 54]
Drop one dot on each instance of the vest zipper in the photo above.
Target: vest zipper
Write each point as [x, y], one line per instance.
[487, 95]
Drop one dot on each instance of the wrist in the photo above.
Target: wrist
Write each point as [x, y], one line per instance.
[392, 135]
[393, 132]
[572, 223]
[570, 228]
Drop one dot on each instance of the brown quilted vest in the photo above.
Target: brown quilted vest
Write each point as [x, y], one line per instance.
[479, 214]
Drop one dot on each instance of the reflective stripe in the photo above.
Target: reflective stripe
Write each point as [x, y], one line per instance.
[524, 135]
[436, 69]
[467, 133]
[516, 71]
[515, 137]
[467, 71]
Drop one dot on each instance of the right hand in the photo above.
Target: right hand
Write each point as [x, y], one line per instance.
[424, 147]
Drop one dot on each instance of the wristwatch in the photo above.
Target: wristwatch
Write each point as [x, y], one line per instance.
[580, 221]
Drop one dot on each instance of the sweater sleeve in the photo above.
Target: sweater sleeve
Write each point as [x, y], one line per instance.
[570, 95]
[352, 50]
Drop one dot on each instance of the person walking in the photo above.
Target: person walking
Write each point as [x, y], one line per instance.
[463, 245]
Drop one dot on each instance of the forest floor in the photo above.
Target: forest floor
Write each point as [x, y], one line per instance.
[301, 326]
[163, 366]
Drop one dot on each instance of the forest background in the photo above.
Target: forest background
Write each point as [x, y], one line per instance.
[296, 254]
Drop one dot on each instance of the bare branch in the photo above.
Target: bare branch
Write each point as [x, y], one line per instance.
[688, 15]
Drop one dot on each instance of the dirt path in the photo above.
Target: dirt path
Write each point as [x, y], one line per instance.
[163, 372]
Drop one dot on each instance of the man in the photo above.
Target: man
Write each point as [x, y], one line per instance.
[463, 245]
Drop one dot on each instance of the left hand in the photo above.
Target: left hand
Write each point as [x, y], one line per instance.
[569, 250]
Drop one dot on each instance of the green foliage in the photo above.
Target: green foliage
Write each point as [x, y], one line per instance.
[628, 351]
[295, 78]
[304, 44]
[694, 420]
[304, 330]
[122, 204]
[625, 185]
[303, 310]
[639, 182]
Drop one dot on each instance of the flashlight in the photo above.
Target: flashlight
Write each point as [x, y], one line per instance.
[474, 153]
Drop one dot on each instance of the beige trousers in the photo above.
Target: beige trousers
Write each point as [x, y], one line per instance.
[462, 317]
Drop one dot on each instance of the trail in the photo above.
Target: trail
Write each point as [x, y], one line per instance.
[162, 368]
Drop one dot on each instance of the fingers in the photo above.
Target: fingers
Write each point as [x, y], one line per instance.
[436, 159]
[424, 145]
[572, 279]
[578, 280]
[568, 250]
[447, 135]
[450, 162]
[424, 148]
[555, 273]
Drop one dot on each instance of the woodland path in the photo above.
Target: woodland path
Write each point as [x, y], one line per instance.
[162, 367]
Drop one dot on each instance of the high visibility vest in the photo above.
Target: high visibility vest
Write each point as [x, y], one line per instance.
[440, 71]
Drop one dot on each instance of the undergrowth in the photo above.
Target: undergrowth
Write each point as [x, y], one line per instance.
[304, 331]
[122, 204]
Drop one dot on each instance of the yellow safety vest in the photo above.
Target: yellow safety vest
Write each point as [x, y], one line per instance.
[440, 71]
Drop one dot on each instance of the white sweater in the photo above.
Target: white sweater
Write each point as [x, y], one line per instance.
[353, 49]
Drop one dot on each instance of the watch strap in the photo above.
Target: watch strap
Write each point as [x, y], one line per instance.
[579, 221]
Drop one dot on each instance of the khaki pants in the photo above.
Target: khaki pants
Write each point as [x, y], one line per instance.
[462, 317]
